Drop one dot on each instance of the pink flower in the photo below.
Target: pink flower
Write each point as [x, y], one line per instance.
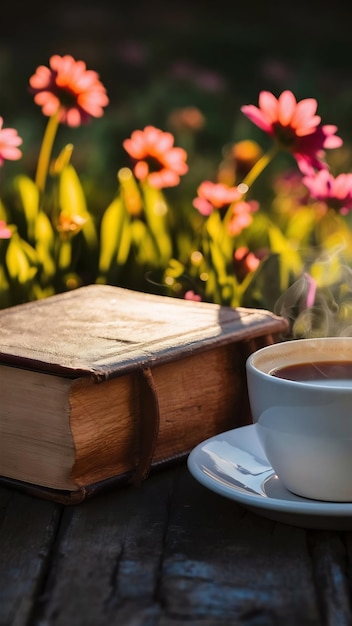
[335, 192]
[5, 231]
[69, 88]
[309, 150]
[246, 258]
[157, 160]
[311, 290]
[9, 142]
[215, 196]
[295, 126]
[191, 295]
[187, 118]
[219, 196]
[245, 262]
[241, 216]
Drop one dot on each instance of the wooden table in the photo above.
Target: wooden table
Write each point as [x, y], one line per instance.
[168, 553]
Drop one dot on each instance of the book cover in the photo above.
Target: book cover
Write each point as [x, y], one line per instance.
[101, 384]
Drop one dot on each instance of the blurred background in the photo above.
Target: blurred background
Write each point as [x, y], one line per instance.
[155, 58]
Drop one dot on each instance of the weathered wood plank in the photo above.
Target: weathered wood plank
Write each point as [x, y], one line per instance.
[329, 555]
[347, 539]
[27, 533]
[107, 562]
[166, 554]
[223, 563]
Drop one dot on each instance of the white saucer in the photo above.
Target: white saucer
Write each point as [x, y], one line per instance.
[234, 465]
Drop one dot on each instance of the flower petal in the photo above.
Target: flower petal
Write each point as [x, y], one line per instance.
[257, 117]
[77, 91]
[286, 108]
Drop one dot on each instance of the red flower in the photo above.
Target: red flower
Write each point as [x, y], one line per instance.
[70, 89]
[335, 192]
[158, 161]
[295, 126]
[215, 196]
[9, 142]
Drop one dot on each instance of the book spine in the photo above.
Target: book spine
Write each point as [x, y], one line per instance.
[148, 423]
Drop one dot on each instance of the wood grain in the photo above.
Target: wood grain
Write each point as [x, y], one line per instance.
[167, 553]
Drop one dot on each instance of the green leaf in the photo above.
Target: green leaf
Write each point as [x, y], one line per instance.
[44, 244]
[71, 194]
[301, 225]
[3, 212]
[143, 244]
[62, 160]
[219, 262]
[214, 225]
[290, 259]
[218, 233]
[21, 260]
[44, 233]
[263, 289]
[30, 198]
[156, 213]
[124, 246]
[89, 233]
[65, 254]
[115, 236]
[5, 292]
[73, 202]
[175, 269]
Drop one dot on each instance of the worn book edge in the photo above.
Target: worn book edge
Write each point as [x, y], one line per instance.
[88, 351]
[260, 328]
[81, 494]
[147, 441]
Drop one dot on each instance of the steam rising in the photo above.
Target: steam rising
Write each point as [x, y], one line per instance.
[319, 303]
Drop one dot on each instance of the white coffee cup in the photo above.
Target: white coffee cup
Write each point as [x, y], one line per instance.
[305, 426]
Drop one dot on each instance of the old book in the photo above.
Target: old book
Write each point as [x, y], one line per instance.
[100, 384]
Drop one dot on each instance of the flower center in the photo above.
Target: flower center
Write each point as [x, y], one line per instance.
[286, 135]
[67, 97]
[154, 164]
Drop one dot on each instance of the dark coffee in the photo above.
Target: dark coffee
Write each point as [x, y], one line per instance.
[318, 371]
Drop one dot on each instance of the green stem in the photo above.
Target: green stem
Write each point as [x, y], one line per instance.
[45, 151]
[252, 176]
[259, 166]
